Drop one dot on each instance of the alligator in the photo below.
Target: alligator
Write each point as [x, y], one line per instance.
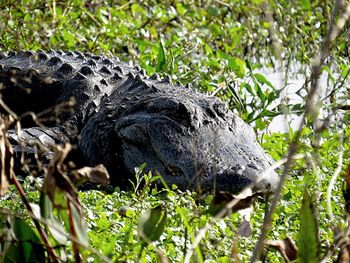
[121, 118]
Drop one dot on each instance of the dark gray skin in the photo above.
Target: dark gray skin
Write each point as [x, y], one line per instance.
[123, 118]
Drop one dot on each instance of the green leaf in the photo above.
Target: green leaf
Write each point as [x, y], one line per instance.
[261, 79]
[248, 88]
[305, 4]
[233, 63]
[260, 93]
[45, 206]
[308, 244]
[54, 226]
[213, 11]
[161, 57]
[151, 224]
[27, 247]
[79, 225]
[180, 9]
[237, 65]
[57, 231]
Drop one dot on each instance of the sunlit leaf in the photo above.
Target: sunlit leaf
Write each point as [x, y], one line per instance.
[262, 79]
[26, 246]
[151, 224]
[79, 225]
[161, 60]
[308, 243]
[305, 4]
[46, 207]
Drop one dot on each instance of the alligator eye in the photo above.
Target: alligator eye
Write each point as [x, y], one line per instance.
[181, 114]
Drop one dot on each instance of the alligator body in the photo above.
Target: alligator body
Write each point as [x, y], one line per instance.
[123, 118]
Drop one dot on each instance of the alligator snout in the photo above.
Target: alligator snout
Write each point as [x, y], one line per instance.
[237, 177]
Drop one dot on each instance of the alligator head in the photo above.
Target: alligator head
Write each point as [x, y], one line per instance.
[192, 140]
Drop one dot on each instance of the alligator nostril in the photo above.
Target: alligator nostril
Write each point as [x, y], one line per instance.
[253, 166]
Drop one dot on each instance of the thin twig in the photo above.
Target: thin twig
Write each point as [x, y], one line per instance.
[341, 240]
[42, 234]
[332, 182]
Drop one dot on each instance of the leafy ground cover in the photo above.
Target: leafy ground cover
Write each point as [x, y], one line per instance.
[216, 47]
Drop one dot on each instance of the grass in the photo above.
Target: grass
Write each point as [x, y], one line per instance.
[215, 46]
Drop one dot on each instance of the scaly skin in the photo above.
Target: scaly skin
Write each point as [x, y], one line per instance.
[123, 118]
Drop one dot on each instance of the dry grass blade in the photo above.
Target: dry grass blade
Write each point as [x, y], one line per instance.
[56, 177]
[94, 175]
[6, 162]
[286, 247]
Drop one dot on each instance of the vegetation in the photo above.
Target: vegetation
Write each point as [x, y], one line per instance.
[222, 48]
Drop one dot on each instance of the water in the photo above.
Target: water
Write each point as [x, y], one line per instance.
[295, 82]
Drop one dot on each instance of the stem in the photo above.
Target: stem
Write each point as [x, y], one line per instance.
[43, 236]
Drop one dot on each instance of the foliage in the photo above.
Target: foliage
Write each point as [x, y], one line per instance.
[219, 47]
